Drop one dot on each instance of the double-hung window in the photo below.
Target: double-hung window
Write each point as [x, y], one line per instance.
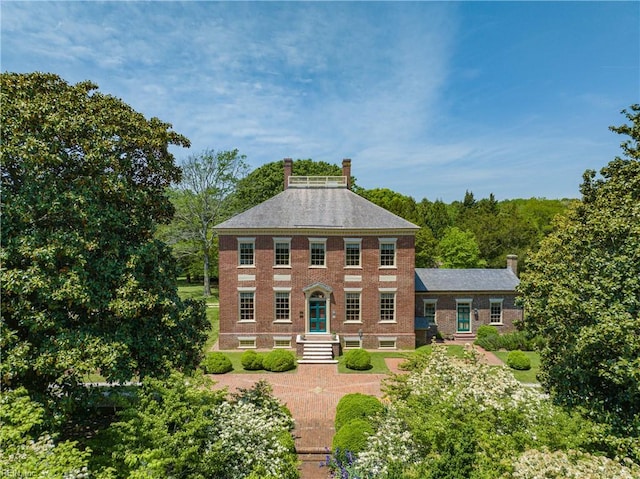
[282, 251]
[282, 306]
[388, 252]
[246, 251]
[387, 306]
[352, 306]
[246, 306]
[430, 311]
[352, 253]
[495, 311]
[317, 251]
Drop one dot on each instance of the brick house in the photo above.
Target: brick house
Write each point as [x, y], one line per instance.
[316, 263]
[456, 302]
[318, 268]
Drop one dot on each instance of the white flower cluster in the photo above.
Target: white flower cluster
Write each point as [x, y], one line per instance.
[459, 381]
[534, 464]
[250, 438]
[391, 443]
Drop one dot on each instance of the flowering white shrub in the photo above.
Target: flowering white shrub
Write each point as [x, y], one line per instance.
[535, 464]
[251, 438]
[391, 444]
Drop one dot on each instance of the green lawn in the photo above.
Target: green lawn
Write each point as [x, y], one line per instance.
[529, 376]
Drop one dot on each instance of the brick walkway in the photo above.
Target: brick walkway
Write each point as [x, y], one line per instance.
[312, 393]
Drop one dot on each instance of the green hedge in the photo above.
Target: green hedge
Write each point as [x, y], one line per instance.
[492, 341]
[358, 359]
[216, 363]
[356, 406]
[279, 360]
[352, 437]
[251, 361]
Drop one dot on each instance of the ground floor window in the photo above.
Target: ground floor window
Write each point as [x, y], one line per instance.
[352, 342]
[387, 343]
[430, 311]
[282, 342]
[282, 306]
[352, 306]
[247, 342]
[387, 307]
[247, 306]
[495, 311]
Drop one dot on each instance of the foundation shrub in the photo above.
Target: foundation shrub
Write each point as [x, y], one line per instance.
[217, 363]
[251, 361]
[356, 406]
[358, 359]
[490, 342]
[518, 360]
[486, 330]
[279, 360]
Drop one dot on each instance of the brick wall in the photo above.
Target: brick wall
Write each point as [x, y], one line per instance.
[262, 277]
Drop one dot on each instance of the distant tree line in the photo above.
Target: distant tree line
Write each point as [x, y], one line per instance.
[469, 233]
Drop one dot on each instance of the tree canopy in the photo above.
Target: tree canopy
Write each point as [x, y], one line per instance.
[85, 287]
[582, 293]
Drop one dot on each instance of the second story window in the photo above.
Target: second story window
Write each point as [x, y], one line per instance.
[352, 252]
[317, 251]
[246, 251]
[387, 252]
[282, 251]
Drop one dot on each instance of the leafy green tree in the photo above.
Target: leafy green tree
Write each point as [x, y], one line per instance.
[202, 199]
[435, 216]
[268, 180]
[396, 203]
[426, 249]
[459, 249]
[85, 287]
[582, 293]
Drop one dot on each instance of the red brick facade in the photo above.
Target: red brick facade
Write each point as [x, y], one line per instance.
[335, 279]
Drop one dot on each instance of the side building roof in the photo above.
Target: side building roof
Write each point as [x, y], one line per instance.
[430, 280]
[324, 209]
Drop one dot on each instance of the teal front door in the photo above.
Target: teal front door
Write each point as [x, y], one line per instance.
[464, 318]
[317, 315]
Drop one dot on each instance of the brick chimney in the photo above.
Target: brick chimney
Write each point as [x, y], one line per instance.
[512, 263]
[288, 168]
[346, 171]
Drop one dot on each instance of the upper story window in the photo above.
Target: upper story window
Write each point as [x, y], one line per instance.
[388, 252]
[282, 251]
[246, 251]
[317, 251]
[352, 252]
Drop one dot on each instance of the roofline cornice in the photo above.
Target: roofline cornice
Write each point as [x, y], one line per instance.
[302, 231]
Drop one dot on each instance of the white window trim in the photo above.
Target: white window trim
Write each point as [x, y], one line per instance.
[395, 305]
[281, 240]
[393, 241]
[353, 290]
[247, 338]
[499, 301]
[277, 289]
[247, 289]
[435, 307]
[282, 338]
[352, 339]
[387, 338]
[324, 242]
[348, 241]
[252, 241]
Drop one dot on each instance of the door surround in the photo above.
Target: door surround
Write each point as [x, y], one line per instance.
[317, 295]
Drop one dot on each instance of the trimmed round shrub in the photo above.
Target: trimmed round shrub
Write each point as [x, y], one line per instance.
[486, 330]
[356, 406]
[358, 359]
[251, 361]
[518, 360]
[352, 437]
[279, 360]
[216, 363]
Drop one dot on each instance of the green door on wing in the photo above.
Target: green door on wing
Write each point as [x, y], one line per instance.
[464, 318]
[317, 315]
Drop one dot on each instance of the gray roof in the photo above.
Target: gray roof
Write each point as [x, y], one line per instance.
[317, 208]
[439, 280]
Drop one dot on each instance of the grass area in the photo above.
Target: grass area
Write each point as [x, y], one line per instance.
[195, 291]
[529, 376]
[377, 361]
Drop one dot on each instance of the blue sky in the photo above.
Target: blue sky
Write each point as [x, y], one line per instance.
[429, 99]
